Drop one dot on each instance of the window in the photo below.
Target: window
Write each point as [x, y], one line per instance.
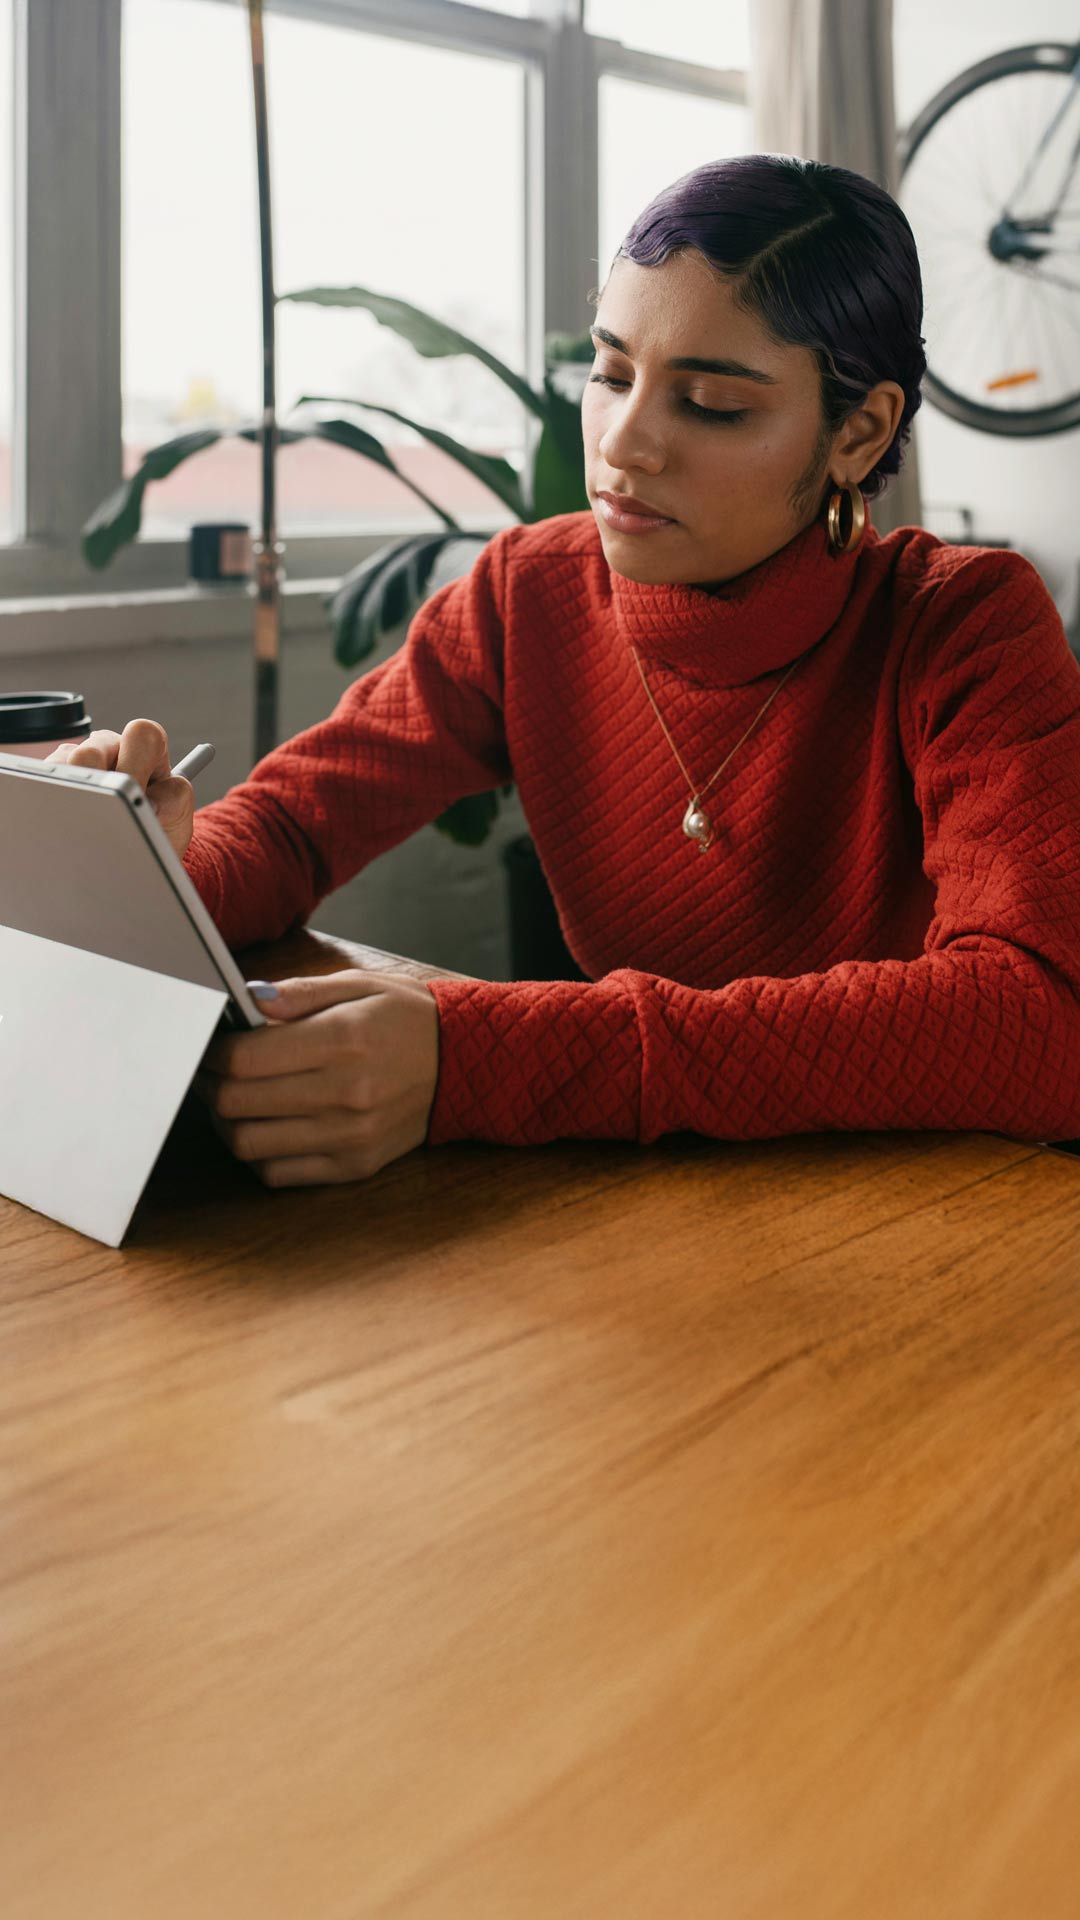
[713, 33]
[648, 137]
[357, 200]
[480, 162]
[7, 275]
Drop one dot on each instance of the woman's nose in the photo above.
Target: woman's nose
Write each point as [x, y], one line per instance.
[630, 442]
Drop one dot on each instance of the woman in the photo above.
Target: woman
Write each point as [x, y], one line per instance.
[808, 799]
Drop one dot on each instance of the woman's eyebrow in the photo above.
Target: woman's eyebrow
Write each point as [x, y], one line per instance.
[733, 368]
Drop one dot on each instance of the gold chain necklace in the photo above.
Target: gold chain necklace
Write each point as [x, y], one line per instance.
[696, 823]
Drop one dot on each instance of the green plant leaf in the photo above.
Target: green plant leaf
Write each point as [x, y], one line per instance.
[286, 435]
[488, 468]
[558, 479]
[384, 590]
[432, 338]
[469, 821]
[118, 518]
[357, 607]
[346, 433]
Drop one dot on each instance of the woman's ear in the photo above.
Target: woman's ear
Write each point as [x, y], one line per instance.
[871, 430]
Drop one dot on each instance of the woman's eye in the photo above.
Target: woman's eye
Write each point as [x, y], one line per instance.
[711, 413]
[702, 413]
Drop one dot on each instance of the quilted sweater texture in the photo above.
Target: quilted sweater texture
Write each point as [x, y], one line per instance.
[886, 930]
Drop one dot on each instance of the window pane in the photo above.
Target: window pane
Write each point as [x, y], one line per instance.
[521, 9]
[7, 281]
[421, 196]
[396, 167]
[190, 252]
[714, 34]
[650, 136]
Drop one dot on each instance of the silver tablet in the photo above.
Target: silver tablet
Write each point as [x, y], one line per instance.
[85, 861]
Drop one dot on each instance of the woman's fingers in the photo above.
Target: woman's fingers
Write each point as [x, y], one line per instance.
[361, 1057]
[142, 751]
[330, 1132]
[308, 993]
[290, 1049]
[99, 749]
[313, 1020]
[173, 800]
[273, 1095]
[395, 1130]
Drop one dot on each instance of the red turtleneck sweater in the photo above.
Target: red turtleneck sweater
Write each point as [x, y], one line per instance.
[886, 930]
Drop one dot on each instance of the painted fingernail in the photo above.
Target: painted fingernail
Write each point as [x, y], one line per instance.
[262, 990]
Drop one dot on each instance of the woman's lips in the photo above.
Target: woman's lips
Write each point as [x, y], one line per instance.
[629, 522]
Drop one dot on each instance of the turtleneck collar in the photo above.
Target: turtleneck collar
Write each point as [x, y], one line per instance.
[750, 625]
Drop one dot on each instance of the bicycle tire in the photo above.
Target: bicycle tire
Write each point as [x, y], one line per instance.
[1041, 56]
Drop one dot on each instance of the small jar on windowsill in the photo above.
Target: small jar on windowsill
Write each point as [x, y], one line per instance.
[220, 554]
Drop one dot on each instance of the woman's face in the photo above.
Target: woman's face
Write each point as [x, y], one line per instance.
[735, 490]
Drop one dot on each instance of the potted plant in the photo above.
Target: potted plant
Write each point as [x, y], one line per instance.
[385, 590]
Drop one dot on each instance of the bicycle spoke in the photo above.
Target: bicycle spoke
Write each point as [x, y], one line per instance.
[1048, 335]
[1066, 310]
[987, 163]
[955, 325]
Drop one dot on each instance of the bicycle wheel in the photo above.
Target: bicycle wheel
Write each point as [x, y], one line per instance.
[989, 184]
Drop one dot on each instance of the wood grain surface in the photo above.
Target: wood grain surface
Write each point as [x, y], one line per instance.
[688, 1532]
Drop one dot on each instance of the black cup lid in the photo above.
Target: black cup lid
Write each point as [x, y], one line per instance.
[42, 716]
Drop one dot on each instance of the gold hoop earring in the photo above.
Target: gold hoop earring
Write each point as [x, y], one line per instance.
[858, 517]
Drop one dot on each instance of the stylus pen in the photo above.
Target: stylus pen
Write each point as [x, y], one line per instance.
[195, 761]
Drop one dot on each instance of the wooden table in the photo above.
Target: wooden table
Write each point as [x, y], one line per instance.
[591, 1532]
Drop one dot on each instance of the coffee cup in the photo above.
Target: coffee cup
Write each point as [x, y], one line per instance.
[34, 723]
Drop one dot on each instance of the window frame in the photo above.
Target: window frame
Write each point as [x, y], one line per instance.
[67, 179]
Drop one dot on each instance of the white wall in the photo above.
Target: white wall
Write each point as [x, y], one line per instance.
[1024, 491]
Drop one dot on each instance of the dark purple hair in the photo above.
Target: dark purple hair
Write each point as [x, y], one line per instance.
[824, 258]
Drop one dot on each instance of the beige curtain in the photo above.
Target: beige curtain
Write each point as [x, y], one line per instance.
[821, 87]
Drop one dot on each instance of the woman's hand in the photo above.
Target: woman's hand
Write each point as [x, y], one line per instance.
[142, 751]
[342, 1082]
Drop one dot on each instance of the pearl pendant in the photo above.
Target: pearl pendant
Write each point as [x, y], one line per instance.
[697, 825]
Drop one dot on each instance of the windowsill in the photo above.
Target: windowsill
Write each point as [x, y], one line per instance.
[41, 571]
[70, 623]
[156, 603]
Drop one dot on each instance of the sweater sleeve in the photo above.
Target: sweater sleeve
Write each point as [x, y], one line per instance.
[981, 1031]
[422, 729]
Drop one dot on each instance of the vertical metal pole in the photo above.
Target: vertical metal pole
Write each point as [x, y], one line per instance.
[267, 549]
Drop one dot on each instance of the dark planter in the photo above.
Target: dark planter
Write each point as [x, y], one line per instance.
[537, 948]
